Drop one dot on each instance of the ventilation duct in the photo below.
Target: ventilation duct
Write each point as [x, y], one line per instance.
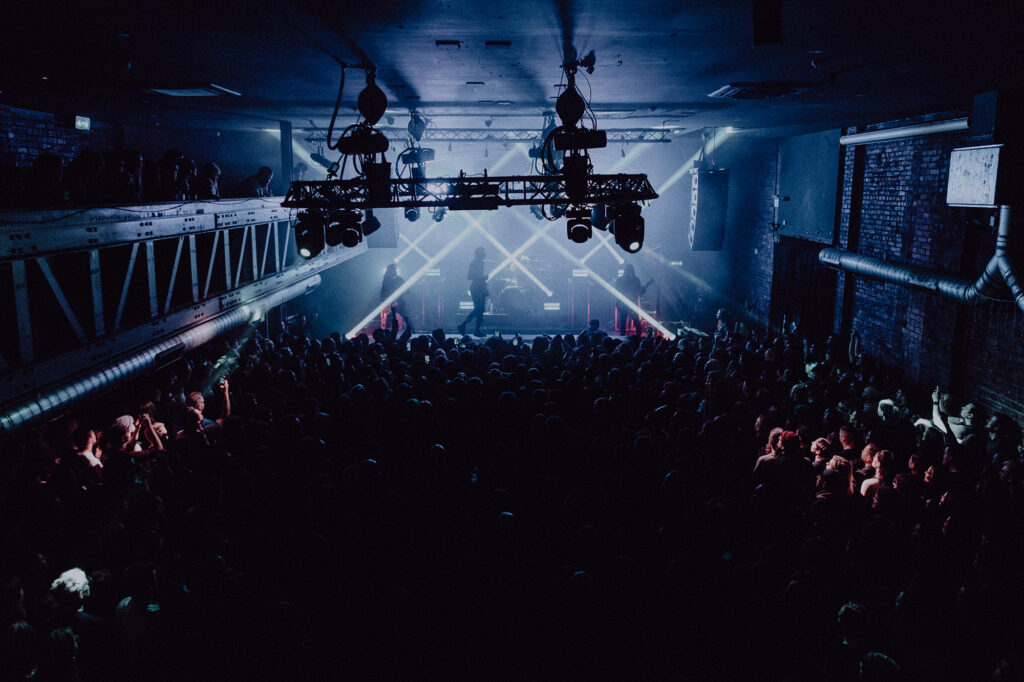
[999, 274]
[132, 366]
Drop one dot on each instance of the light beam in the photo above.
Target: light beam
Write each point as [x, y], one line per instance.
[409, 282]
[572, 258]
[476, 225]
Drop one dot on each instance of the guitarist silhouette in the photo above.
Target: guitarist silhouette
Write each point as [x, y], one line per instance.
[628, 284]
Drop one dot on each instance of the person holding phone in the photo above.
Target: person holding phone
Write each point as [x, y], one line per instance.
[478, 290]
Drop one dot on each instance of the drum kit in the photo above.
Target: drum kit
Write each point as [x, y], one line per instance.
[513, 294]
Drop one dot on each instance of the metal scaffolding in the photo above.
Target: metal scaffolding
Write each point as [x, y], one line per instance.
[87, 289]
[466, 192]
[498, 136]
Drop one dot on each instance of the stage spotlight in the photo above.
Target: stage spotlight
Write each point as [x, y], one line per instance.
[599, 217]
[538, 211]
[578, 224]
[371, 223]
[309, 233]
[412, 214]
[628, 227]
[343, 228]
[440, 214]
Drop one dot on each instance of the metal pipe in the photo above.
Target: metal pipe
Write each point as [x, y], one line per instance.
[907, 275]
[1001, 271]
[130, 366]
[949, 126]
[1007, 263]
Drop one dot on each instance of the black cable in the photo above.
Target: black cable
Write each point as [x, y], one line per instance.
[337, 106]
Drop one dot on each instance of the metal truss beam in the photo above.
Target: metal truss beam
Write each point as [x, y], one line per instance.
[467, 192]
[85, 288]
[488, 135]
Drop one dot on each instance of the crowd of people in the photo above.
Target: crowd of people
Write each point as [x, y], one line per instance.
[123, 177]
[734, 507]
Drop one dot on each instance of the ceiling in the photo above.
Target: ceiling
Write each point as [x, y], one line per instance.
[656, 61]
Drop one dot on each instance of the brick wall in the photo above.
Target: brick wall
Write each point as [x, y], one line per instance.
[749, 245]
[893, 207]
[24, 135]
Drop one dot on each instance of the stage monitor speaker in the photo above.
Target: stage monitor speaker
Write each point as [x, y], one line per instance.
[709, 198]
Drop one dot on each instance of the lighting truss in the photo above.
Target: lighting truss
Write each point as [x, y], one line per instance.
[467, 192]
[615, 136]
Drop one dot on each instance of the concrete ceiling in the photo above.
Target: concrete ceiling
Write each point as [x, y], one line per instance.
[656, 61]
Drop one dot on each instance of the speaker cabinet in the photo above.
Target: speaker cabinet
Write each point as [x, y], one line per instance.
[709, 197]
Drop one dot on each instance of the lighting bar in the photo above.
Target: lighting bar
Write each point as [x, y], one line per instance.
[555, 305]
[581, 273]
[495, 190]
[412, 280]
[487, 135]
[465, 305]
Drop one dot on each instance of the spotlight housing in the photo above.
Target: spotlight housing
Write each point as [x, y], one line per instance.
[578, 225]
[628, 227]
[343, 228]
[371, 223]
[440, 214]
[309, 233]
[599, 217]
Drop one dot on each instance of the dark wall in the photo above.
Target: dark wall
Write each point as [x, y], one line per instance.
[27, 134]
[893, 207]
[808, 176]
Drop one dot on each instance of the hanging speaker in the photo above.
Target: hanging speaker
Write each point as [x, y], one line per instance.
[709, 198]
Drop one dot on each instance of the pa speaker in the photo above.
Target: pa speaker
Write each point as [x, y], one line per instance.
[709, 198]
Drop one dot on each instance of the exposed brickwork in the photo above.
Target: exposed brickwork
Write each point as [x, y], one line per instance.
[24, 135]
[903, 218]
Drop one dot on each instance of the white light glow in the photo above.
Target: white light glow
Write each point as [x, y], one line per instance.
[568, 255]
[435, 259]
[508, 256]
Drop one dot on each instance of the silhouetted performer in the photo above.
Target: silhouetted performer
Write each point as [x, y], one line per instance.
[628, 284]
[256, 185]
[392, 281]
[477, 289]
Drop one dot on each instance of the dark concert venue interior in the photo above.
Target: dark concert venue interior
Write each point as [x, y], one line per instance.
[539, 340]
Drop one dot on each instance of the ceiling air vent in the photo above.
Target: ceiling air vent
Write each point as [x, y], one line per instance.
[760, 90]
[448, 43]
[193, 90]
[498, 43]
